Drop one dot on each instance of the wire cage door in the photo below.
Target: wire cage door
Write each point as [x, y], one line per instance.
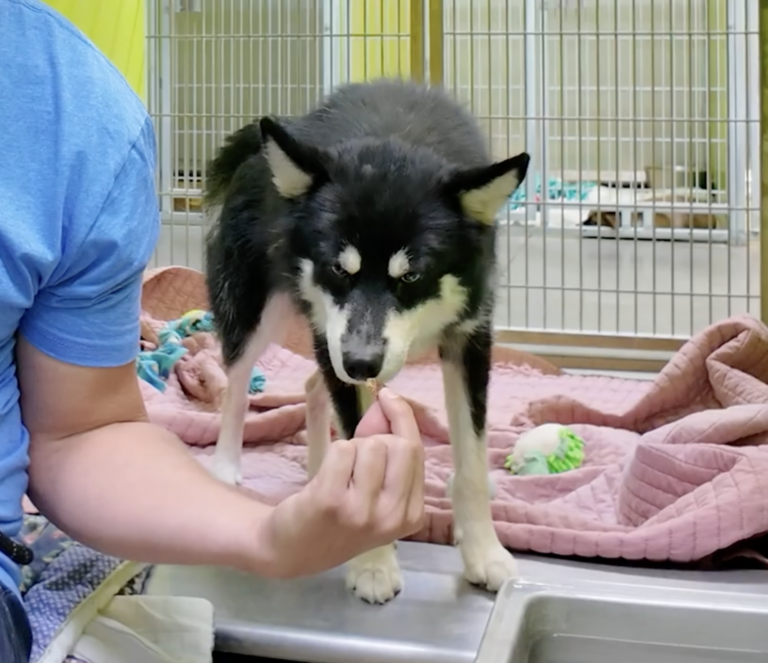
[639, 221]
[638, 224]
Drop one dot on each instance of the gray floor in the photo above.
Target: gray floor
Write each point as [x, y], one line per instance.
[559, 281]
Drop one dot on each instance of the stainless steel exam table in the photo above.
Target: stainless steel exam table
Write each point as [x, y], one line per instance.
[439, 618]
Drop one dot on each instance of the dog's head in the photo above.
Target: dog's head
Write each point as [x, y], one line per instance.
[391, 244]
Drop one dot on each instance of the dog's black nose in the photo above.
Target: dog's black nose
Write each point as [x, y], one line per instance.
[363, 365]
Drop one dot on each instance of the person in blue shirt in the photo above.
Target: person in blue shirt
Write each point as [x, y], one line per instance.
[78, 224]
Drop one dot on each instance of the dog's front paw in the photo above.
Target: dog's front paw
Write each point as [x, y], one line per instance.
[489, 566]
[227, 472]
[375, 576]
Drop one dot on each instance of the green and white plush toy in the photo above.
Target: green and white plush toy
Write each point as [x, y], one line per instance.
[546, 449]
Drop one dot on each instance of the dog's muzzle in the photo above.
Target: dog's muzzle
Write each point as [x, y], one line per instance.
[363, 363]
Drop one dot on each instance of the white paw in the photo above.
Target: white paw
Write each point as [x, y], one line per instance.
[489, 566]
[375, 576]
[227, 472]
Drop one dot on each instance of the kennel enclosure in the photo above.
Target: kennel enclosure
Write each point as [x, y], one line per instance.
[639, 221]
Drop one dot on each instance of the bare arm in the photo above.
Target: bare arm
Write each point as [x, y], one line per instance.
[110, 479]
[107, 477]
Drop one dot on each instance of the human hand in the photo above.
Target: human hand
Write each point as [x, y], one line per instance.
[368, 492]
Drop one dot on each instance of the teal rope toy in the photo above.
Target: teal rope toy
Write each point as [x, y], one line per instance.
[155, 366]
[546, 449]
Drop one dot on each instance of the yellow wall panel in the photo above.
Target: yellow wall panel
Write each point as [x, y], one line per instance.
[378, 43]
[117, 27]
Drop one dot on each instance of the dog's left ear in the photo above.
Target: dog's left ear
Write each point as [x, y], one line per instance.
[295, 167]
[482, 191]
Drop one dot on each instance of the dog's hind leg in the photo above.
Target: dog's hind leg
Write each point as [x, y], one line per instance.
[466, 366]
[375, 575]
[240, 353]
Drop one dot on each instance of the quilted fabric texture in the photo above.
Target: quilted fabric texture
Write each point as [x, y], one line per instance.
[62, 576]
[674, 469]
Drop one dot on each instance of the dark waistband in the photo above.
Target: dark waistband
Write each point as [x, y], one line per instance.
[15, 551]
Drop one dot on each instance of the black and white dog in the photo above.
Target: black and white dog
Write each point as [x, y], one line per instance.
[374, 216]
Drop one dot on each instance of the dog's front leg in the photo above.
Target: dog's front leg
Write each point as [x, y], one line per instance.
[375, 575]
[466, 366]
[241, 347]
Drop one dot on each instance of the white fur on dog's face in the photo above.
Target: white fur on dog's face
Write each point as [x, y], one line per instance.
[413, 330]
[405, 332]
[399, 264]
[349, 260]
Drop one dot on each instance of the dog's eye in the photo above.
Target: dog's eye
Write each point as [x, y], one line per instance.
[410, 277]
[339, 270]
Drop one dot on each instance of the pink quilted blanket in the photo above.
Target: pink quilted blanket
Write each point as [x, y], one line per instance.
[675, 469]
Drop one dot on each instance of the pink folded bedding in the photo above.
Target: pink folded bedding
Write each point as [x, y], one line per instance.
[674, 470]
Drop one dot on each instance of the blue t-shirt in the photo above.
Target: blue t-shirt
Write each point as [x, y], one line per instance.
[79, 217]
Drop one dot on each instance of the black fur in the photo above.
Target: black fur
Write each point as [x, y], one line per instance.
[237, 149]
[343, 395]
[388, 163]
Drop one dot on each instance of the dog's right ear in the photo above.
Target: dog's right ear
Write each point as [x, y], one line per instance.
[482, 191]
[295, 167]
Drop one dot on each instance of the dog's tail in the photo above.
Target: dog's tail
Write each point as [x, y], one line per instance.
[237, 149]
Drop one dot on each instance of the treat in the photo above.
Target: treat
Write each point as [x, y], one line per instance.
[367, 394]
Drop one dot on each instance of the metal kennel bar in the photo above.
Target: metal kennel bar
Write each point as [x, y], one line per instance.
[640, 221]
[214, 65]
[762, 49]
